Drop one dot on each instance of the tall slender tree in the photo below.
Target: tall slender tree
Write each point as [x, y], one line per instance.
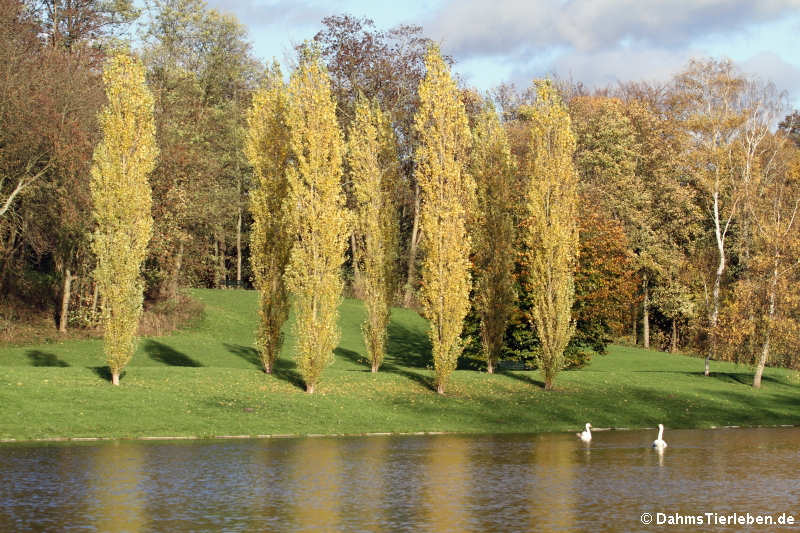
[318, 218]
[374, 171]
[267, 148]
[122, 200]
[551, 236]
[492, 166]
[773, 207]
[447, 192]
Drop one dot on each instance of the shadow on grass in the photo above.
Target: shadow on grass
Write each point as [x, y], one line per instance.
[407, 373]
[104, 373]
[282, 369]
[407, 347]
[744, 378]
[354, 357]
[168, 355]
[39, 358]
[245, 352]
[525, 378]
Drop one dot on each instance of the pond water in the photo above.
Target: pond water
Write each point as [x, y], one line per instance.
[546, 482]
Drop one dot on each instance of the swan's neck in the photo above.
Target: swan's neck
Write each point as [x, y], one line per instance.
[587, 428]
[660, 432]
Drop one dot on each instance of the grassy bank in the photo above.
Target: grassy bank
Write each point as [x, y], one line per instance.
[207, 382]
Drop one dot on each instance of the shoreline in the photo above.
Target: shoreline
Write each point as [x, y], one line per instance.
[47, 440]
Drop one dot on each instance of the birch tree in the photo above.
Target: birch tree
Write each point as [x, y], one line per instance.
[707, 94]
[447, 193]
[122, 200]
[774, 212]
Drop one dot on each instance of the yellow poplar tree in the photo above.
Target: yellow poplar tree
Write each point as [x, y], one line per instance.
[375, 172]
[492, 166]
[318, 218]
[551, 236]
[122, 198]
[448, 193]
[267, 149]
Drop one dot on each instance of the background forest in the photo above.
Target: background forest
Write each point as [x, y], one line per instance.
[688, 190]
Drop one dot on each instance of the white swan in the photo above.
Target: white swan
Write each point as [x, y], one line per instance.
[659, 443]
[586, 434]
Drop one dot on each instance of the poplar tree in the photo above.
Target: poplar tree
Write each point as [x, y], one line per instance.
[551, 235]
[122, 200]
[447, 192]
[267, 149]
[374, 171]
[318, 218]
[494, 235]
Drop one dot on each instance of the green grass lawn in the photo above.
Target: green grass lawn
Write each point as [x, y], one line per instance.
[207, 382]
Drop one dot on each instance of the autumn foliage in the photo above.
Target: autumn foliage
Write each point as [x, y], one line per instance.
[121, 196]
[448, 193]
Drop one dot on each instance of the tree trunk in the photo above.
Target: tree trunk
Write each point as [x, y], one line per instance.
[115, 378]
[762, 360]
[222, 269]
[9, 250]
[548, 383]
[356, 271]
[674, 344]
[646, 312]
[216, 261]
[94, 298]
[310, 389]
[375, 366]
[412, 251]
[635, 324]
[490, 366]
[176, 272]
[62, 319]
[239, 249]
[440, 388]
[714, 318]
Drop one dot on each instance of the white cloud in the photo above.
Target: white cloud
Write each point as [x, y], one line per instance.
[502, 27]
[768, 66]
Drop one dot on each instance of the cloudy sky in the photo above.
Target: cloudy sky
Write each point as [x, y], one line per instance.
[598, 42]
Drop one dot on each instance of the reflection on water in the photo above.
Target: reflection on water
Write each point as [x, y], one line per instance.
[115, 499]
[434, 483]
[552, 495]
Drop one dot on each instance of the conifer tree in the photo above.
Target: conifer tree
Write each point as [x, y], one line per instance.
[267, 148]
[122, 199]
[494, 234]
[448, 193]
[318, 219]
[551, 236]
[374, 171]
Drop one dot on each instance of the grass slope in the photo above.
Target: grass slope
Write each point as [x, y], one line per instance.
[207, 382]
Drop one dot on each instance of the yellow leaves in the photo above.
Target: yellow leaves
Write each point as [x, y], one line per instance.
[447, 191]
[551, 230]
[493, 234]
[374, 172]
[121, 196]
[267, 149]
[319, 221]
